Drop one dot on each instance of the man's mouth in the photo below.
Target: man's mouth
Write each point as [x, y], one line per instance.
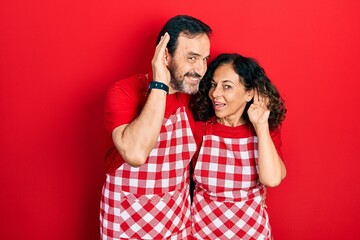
[193, 77]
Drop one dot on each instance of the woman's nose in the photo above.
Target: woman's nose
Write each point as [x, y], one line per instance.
[215, 92]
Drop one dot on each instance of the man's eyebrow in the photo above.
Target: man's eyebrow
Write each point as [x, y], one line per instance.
[198, 55]
[227, 81]
[194, 54]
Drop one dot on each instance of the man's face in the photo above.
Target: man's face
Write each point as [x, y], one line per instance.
[189, 63]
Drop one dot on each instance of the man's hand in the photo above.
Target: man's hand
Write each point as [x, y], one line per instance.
[160, 60]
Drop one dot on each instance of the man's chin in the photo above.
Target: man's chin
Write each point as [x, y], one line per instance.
[185, 86]
[191, 89]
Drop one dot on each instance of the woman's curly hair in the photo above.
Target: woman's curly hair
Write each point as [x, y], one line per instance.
[252, 76]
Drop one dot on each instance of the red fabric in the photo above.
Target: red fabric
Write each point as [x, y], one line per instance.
[228, 132]
[228, 194]
[123, 103]
[152, 201]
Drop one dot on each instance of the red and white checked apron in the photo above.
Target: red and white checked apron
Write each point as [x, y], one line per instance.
[152, 201]
[228, 194]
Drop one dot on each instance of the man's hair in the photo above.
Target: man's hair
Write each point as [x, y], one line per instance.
[182, 24]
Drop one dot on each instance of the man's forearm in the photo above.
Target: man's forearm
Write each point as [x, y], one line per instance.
[135, 140]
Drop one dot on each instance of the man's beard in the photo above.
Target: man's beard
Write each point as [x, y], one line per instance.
[178, 82]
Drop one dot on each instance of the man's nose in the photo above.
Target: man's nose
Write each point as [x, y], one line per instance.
[201, 67]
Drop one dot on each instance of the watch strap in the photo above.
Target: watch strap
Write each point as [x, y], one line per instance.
[158, 85]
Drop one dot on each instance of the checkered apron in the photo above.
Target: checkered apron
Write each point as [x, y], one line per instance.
[152, 201]
[227, 198]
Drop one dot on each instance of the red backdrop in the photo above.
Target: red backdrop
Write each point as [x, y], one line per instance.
[57, 58]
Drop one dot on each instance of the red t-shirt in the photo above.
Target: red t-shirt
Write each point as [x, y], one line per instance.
[241, 131]
[124, 102]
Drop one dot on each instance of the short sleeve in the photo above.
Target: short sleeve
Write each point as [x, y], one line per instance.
[124, 101]
[276, 137]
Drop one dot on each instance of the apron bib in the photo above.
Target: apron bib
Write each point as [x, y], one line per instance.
[228, 194]
[152, 201]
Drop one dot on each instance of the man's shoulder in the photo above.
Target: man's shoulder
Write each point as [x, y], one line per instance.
[133, 81]
[133, 85]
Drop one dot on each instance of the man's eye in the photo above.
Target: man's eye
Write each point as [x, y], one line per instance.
[192, 58]
[227, 86]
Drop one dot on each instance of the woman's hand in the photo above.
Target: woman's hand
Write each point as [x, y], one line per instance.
[258, 112]
[271, 168]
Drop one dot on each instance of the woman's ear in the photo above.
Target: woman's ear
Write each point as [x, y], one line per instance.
[249, 95]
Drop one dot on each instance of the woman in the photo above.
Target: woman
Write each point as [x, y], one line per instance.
[238, 135]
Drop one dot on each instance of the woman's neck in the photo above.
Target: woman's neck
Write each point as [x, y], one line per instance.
[231, 122]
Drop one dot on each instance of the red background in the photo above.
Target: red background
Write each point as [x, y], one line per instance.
[57, 58]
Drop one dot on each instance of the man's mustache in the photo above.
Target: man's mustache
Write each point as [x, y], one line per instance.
[194, 74]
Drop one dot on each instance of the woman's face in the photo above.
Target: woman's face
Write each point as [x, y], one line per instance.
[228, 96]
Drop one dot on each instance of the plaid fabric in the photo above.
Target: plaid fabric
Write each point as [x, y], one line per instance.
[152, 201]
[227, 199]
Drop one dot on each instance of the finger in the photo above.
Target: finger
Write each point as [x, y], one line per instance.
[256, 96]
[160, 48]
[266, 101]
[159, 55]
[261, 99]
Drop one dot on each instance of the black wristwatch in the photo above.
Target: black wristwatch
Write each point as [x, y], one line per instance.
[158, 85]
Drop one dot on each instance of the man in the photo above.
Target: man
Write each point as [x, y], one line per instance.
[146, 193]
